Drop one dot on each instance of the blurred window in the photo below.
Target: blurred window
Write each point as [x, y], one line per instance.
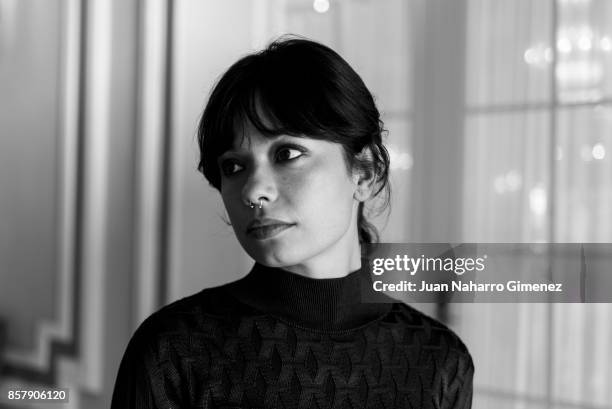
[538, 168]
[538, 146]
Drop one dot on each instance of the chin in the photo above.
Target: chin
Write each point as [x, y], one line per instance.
[272, 255]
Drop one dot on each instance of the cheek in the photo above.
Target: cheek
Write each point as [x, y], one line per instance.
[323, 197]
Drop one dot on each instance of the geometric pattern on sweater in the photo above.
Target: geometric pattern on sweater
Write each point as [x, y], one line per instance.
[208, 351]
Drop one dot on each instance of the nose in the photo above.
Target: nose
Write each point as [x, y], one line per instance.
[260, 187]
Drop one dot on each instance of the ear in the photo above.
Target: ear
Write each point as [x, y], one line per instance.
[364, 176]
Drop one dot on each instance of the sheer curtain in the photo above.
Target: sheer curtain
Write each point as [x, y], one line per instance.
[538, 141]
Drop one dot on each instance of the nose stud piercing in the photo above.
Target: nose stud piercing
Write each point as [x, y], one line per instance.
[252, 205]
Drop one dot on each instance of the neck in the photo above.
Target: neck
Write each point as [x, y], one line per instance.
[335, 262]
[323, 304]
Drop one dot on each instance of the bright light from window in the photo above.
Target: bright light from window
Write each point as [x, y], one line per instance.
[605, 43]
[564, 45]
[531, 56]
[538, 201]
[558, 153]
[510, 182]
[539, 55]
[320, 6]
[599, 151]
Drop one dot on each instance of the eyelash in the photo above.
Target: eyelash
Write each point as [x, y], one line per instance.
[229, 163]
[291, 148]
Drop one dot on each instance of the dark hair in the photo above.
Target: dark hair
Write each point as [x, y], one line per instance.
[300, 88]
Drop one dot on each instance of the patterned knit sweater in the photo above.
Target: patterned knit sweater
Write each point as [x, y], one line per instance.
[275, 339]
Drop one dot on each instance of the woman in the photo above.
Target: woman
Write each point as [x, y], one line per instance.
[291, 138]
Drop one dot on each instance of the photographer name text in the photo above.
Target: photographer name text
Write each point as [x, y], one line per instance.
[466, 286]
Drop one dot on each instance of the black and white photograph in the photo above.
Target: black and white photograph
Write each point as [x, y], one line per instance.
[296, 204]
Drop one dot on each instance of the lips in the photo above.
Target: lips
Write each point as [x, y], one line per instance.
[266, 228]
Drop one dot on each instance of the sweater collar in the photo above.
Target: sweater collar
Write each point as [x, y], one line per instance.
[322, 304]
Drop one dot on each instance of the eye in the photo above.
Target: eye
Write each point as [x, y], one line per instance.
[230, 167]
[288, 153]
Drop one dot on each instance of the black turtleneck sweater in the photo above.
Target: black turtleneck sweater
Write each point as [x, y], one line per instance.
[275, 339]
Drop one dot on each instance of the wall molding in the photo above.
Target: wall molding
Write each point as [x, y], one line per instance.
[153, 104]
[69, 350]
[58, 335]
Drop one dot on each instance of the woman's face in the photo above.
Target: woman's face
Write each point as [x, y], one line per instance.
[308, 220]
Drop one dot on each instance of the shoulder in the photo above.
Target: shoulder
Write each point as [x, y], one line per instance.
[420, 330]
[215, 301]
[439, 352]
[165, 346]
[195, 319]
